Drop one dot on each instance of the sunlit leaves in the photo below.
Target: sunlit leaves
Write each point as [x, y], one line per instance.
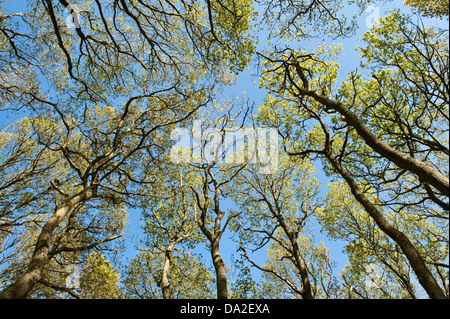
[99, 280]
[430, 8]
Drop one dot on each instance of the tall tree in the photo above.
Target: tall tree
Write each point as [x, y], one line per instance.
[95, 93]
[399, 159]
[210, 218]
[115, 86]
[169, 219]
[342, 217]
[189, 277]
[278, 207]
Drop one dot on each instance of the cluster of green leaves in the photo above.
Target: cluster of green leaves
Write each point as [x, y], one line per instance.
[101, 101]
[429, 8]
[401, 96]
[189, 277]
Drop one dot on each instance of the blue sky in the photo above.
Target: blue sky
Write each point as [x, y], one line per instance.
[349, 61]
[248, 82]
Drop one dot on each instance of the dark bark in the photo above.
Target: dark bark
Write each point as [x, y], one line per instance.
[306, 291]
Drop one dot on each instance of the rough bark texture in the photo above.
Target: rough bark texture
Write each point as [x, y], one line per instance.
[23, 286]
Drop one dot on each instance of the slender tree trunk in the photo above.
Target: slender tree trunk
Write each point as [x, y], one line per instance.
[215, 236]
[165, 285]
[23, 286]
[302, 269]
[219, 266]
[423, 274]
[300, 264]
[165, 280]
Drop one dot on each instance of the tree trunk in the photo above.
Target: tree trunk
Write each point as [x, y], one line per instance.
[165, 285]
[425, 172]
[302, 269]
[423, 274]
[23, 286]
[300, 263]
[214, 237]
[219, 266]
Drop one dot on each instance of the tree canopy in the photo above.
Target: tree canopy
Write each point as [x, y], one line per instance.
[126, 110]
